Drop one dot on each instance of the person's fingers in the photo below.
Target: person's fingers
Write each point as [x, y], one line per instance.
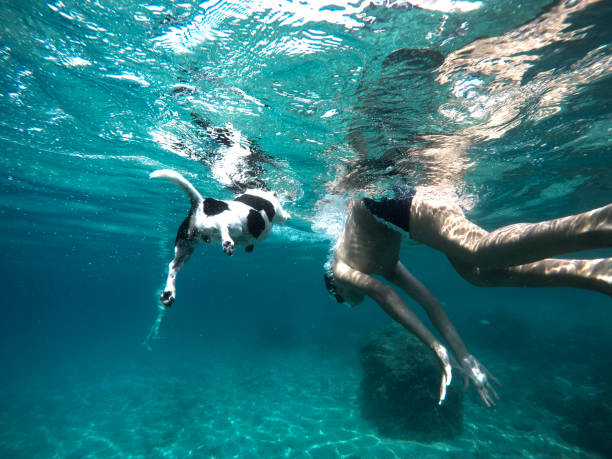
[490, 376]
[488, 400]
[449, 373]
[484, 398]
[490, 388]
[443, 385]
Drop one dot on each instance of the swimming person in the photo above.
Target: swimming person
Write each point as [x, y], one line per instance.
[515, 255]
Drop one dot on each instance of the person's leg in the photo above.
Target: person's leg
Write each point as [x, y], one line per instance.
[593, 274]
[442, 225]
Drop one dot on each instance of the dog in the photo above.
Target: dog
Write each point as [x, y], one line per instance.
[245, 220]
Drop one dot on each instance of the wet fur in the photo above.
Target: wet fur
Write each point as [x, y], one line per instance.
[243, 221]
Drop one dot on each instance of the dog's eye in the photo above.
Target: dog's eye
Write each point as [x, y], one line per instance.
[275, 194]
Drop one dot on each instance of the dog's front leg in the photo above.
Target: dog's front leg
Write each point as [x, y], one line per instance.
[226, 240]
[182, 253]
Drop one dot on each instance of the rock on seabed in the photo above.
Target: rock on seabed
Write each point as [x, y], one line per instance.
[400, 389]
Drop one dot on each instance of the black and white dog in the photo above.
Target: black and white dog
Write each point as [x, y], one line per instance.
[245, 220]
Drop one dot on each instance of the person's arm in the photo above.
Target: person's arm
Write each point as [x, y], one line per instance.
[393, 305]
[474, 370]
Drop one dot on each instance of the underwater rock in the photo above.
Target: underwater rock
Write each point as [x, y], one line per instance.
[400, 389]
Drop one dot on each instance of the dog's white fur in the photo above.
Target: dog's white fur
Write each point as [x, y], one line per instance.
[229, 226]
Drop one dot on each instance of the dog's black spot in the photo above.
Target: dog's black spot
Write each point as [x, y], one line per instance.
[249, 248]
[184, 231]
[255, 223]
[258, 203]
[214, 206]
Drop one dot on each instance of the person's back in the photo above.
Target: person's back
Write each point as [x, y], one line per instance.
[366, 244]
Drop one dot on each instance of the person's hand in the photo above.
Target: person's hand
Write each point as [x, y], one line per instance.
[476, 372]
[447, 374]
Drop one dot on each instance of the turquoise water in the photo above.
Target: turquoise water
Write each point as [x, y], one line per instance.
[510, 103]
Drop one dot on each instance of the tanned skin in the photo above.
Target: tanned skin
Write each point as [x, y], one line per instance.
[515, 255]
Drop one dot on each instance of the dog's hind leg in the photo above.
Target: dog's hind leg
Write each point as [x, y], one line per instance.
[183, 249]
[182, 253]
[185, 239]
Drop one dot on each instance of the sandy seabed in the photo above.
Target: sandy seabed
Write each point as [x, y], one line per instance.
[299, 402]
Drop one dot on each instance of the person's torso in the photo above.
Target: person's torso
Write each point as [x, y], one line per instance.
[366, 244]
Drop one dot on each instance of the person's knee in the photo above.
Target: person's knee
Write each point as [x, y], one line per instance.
[472, 274]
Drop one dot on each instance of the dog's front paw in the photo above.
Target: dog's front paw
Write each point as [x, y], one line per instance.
[167, 298]
[228, 247]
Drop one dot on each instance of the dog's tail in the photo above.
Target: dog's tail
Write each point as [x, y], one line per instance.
[194, 196]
